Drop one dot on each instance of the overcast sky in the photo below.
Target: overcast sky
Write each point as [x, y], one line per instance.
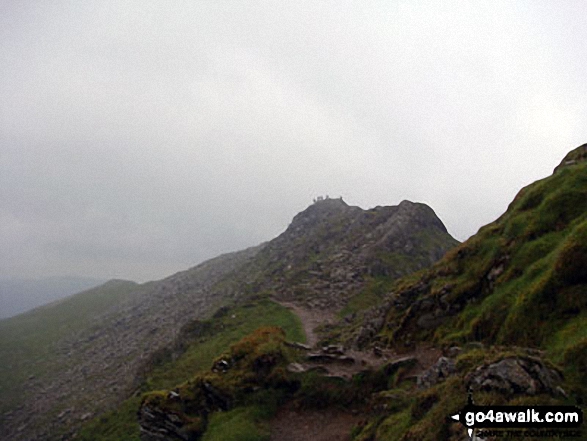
[138, 138]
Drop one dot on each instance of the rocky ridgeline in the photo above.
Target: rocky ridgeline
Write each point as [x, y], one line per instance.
[330, 249]
[322, 260]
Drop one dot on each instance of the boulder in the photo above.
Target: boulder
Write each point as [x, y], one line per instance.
[157, 425]
[393, 366]
[515, 375]
[441, 370]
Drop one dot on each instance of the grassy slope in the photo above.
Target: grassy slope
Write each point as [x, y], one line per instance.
[521, 281]
[537, 254]
[225, 329]
[27, 340]
[543, 238]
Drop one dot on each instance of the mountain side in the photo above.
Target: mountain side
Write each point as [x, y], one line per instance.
[520, 280]
[322, 245]
[328, 256]
[508, 307]
[79, 356]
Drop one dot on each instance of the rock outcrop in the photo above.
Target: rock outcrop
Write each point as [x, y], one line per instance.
[440, 371]
[330, 249]
[516, 375]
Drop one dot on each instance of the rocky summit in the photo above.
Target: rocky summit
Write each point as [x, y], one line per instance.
[331, 250]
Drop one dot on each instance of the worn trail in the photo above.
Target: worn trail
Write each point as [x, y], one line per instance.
[292, 424]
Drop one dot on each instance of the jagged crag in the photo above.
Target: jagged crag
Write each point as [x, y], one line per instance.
[504, 314]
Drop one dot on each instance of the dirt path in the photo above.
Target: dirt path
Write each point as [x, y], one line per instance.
[331, 424]
[311, 319]
[317, 425]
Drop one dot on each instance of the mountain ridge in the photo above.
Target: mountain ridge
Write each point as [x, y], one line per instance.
[19, 295]
[106, 353]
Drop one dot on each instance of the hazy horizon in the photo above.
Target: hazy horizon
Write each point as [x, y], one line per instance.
[139, 139]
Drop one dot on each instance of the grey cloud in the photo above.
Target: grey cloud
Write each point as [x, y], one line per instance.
[139, 138]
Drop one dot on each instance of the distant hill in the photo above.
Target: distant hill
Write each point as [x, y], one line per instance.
[20, 295]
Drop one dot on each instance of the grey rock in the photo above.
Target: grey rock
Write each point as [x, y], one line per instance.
[431, 320]
[333, 350]
[297, 345]
[453, 351]
[440, 371]
[514, 375]
[156, 425]
[394, 366]
[296, 368]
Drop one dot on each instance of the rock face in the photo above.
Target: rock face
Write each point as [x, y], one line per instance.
[516, 375]
[331, 248]
[442, 369]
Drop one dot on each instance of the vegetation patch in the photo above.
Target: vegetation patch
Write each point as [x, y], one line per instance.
[200, 343]
[255, 363]
[240, 424]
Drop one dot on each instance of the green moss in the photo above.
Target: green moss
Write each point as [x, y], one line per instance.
[240, 424]
[253, 377]
[424, 418]
[557, 211]
[234, 324]
[117, 425]
[571, 263]
[540, 243]
[393, 427]
[371, 295]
